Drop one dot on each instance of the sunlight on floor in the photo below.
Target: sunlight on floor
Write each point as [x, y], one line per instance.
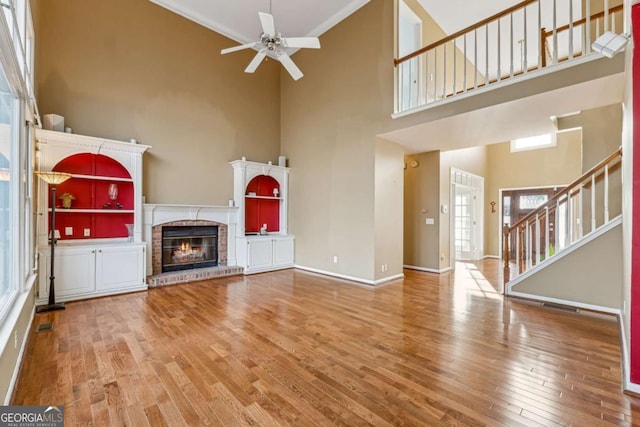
[469, 283]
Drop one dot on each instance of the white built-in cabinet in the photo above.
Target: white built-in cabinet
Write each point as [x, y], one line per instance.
[260, 191]
[95, 255]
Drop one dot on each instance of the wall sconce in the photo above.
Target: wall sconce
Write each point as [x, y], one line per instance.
[610, 44]
[493, 207]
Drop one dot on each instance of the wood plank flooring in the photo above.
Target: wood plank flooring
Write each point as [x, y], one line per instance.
[292, 348]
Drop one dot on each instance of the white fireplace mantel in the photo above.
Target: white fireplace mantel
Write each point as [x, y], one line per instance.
[159, 214]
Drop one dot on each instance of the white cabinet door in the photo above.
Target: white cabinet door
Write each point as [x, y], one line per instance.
[119, 267]
[283, 251]
[74, 272]
[260, 253]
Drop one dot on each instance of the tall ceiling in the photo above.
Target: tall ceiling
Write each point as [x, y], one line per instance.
[238, 19]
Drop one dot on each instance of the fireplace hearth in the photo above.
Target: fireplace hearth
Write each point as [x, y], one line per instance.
[189, 247]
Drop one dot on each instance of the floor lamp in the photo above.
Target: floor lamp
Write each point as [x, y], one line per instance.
[53, 179]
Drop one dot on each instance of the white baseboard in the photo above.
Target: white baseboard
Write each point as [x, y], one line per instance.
[351, 278]
[428, 270]
[599, 308]
[491, 257]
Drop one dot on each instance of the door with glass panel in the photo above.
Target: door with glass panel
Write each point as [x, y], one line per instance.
[466, 215]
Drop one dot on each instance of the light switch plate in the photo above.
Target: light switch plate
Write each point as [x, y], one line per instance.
[68, 231]
[87, 232]
[429, 221]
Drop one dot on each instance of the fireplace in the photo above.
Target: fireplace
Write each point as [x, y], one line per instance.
[189, 247]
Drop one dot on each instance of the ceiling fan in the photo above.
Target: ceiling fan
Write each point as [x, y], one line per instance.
[273, 44]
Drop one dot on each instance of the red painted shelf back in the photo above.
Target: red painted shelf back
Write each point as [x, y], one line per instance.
[93, 194]
[262, 211]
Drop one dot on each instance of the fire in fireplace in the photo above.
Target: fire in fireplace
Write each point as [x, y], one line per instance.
[188, 247]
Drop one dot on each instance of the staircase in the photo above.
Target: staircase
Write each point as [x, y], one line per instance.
[566, 250]
[528, 38]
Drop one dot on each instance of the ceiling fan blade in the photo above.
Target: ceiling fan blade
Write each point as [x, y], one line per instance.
[237, 48]
[292, 68]
[306, 42]
[268, 26]
[256, 61]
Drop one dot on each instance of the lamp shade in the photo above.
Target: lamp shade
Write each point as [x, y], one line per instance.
[54, 178]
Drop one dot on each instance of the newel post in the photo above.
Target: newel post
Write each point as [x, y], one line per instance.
[505, 254]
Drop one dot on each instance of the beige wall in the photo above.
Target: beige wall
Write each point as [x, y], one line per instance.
[601, 136]
[19, 318]
[592, 274]
[130, 69]
[389, 162]
[330, 120]
[422, 201]
[559, 165]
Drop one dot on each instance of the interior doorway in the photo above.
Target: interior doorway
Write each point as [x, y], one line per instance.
[467, 194]
[409, 40]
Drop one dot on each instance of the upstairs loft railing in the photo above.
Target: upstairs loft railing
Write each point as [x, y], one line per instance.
[580, 209]
[528, 37]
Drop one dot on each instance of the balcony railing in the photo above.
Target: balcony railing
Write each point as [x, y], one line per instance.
[580, 209]
[528, 37]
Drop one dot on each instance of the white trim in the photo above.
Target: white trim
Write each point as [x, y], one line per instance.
[179, 8]
[491, 257]
[428, 270]
[18, 365]
[503, 83]
[626, 366]
[564, 252]
[568, 303]
[350, 278]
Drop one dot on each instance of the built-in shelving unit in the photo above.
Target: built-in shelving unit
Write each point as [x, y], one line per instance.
[260, 191]
[95, 255]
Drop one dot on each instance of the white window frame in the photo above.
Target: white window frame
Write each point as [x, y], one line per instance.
[529, 143]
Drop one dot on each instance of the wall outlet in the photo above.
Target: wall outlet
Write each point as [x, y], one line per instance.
[384, 267]
[429, 221]
[68, 231]
[87, 232]
[335, 259]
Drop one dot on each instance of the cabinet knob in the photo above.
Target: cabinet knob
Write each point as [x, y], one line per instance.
[93, 251]
[100, 251]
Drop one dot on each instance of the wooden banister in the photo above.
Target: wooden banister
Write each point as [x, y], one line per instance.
[582, 21]
[464, 31]
[569, 188]
[526, 224]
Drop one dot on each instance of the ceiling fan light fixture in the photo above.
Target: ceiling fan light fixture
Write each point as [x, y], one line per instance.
[272, 41]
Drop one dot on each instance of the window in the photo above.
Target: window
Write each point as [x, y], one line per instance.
[8, 193]
[532, 201]
[533, 142]
[17, 104]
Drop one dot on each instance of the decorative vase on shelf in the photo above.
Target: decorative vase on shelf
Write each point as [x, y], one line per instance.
[67, 198]
[113, 192]
[276, 192]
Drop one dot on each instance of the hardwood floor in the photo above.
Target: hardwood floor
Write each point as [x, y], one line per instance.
[292, 348]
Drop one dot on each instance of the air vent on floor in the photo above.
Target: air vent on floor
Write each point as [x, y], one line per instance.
[44, 327]
[560, 307]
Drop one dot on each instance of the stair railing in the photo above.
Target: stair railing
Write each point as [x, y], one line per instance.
[510, 43]
[607, 20]
[570, 215]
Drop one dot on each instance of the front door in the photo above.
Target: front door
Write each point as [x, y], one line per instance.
[516, 204]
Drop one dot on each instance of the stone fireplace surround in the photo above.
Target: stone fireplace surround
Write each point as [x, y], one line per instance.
[156, 216]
